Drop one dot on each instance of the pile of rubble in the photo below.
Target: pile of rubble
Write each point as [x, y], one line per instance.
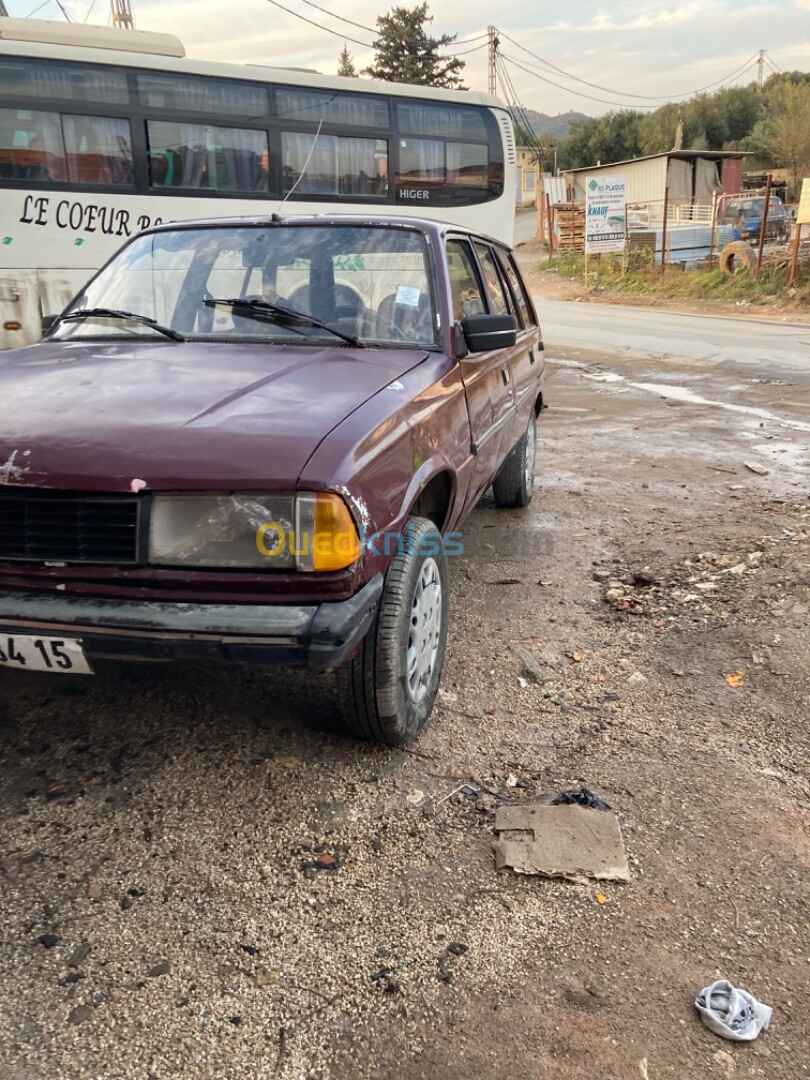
[710, 580]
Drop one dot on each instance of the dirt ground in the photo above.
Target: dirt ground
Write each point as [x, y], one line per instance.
[167, 907]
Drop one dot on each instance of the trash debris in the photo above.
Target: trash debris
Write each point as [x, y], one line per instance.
[734, 1014]
[266, 978]
[637, 679]
[415, 797]
[583, 797]
[522, 683]
[600, 898]
[760, 470]
[455, 948]
[323, 861]
[570, 842]
[531, 665]
[577, 656]
[735, 679]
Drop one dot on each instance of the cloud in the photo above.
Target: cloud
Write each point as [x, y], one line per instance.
[627, 45]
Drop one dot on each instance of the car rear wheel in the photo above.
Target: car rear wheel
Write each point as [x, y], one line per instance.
[388, 688]
[514, 483]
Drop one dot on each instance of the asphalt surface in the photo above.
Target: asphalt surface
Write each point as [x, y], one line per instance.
[694, 340]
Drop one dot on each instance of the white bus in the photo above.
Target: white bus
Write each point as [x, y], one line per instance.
[104, 132]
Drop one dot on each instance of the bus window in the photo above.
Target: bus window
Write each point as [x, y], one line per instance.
[442, 121]
[31, 146]
[212, 158]
[26, 78]
[467, 164]
[193, 94]
[337, 165]
[421, 161]
[99, 150]
[312, 106]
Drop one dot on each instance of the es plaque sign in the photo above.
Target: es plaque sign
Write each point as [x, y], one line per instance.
[605, 212]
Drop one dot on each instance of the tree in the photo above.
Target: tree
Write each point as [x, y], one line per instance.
[405, 53]
[782, 136]
[346, 64]
[607, 138]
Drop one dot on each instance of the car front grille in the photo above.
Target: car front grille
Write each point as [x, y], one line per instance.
[49, 526]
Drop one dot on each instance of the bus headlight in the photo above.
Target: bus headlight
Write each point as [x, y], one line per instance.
[310, 532]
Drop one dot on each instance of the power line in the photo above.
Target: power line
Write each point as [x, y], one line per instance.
[338, 34]
[363, 44]
[628, 94]
[569, 90]
[371, 30]
[36, 9]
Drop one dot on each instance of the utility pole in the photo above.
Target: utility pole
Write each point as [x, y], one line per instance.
[761, 70]
[491, 52]
[122, 14]
[3, 8]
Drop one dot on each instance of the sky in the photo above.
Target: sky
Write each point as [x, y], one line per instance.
[628, 47]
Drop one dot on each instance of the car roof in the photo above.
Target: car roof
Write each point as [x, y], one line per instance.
[438, 229]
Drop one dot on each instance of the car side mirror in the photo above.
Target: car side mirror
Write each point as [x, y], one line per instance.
[486, 332]
[48, 322]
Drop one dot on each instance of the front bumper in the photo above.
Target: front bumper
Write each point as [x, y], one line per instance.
[318, 636]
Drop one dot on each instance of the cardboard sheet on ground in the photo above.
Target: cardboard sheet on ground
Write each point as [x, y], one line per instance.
[571, 842]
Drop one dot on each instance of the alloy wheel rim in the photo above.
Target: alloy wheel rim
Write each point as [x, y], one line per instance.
[424, 631]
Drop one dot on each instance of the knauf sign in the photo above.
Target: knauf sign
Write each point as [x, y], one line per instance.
[605, 213]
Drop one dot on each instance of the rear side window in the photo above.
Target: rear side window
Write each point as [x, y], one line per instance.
[525, 313]
[46, 147]
[499, 299]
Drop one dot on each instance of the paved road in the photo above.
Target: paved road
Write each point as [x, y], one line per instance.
[525, 226]
[662, 335]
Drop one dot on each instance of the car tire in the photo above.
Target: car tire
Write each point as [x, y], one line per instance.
[387, 689]
[738, 257]
[514, 484]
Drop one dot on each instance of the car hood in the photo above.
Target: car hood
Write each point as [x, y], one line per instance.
[185, 416]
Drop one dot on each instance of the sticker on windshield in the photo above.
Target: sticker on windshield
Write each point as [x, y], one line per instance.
[408, 295]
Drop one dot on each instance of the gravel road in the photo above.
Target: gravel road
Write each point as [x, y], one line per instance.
[202, 877]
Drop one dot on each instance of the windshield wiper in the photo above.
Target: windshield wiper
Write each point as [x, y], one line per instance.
[262, 309]
[111, 313]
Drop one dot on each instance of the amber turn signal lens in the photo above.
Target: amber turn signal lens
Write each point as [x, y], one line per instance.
[335, 543]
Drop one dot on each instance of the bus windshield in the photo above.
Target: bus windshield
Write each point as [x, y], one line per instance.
[296, 284]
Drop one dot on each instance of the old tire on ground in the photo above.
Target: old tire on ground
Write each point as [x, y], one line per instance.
[737, 258]
[387, 690]
[514, 483]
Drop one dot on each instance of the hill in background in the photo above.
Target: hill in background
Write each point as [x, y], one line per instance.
[555, 127]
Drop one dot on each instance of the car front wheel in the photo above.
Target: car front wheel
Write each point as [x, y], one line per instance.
[388, 688]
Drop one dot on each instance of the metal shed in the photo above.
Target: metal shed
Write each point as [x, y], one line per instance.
[688, 174]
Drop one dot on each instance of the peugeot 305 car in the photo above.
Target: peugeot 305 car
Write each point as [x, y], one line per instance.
[249, 440]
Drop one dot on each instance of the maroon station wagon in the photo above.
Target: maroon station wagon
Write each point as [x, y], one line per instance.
[249, 439]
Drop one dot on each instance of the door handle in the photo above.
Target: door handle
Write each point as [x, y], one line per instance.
[505, 376]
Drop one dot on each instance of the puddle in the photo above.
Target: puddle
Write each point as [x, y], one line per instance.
[680, 393]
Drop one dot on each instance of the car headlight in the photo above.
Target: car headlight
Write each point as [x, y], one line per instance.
[311, 532]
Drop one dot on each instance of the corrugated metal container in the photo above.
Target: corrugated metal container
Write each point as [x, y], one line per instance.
[646, 179]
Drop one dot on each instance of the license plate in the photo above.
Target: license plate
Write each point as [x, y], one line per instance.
[29, 653]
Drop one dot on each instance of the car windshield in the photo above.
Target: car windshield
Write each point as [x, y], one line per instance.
[283, 283]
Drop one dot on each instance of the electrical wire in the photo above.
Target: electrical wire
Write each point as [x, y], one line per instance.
[363, 44]
[61, 8]
[569, 90]
[369, 29]
[515, 105]
[336, 33]
[90, 11]
[36, 9]
[621, 93]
